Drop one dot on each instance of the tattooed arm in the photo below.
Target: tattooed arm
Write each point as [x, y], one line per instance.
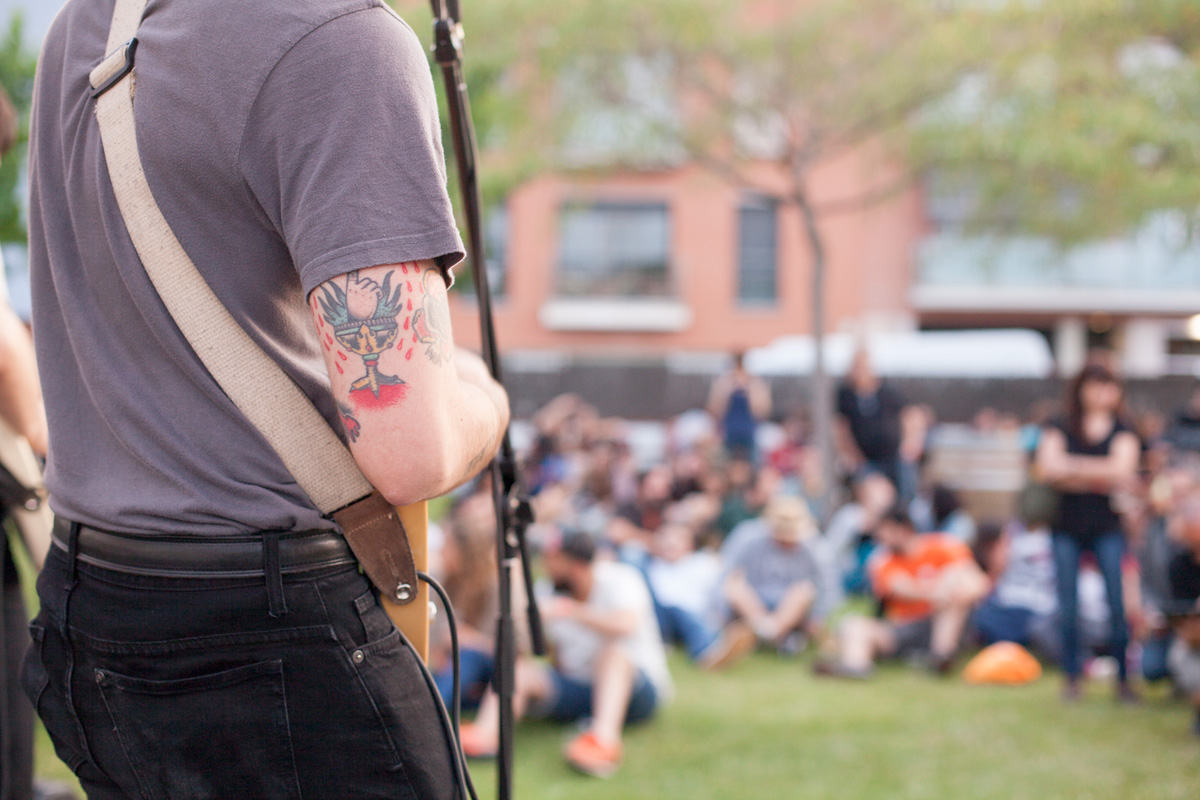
[420, 417]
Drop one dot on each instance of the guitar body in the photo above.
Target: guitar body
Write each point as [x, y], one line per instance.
[413, 619]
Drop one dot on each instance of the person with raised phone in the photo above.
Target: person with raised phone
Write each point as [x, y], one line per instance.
[262, 240]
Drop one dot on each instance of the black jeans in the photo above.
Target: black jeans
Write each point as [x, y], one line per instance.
[180, 688]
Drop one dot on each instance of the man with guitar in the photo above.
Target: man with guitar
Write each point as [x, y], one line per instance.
[205, 629]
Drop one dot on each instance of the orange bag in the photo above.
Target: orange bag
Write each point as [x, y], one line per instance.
[1004, 664]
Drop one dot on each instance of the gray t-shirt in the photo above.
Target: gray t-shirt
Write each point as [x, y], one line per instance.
[287, 142]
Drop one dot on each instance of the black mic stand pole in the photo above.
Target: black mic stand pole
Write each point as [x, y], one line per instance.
[513, 512]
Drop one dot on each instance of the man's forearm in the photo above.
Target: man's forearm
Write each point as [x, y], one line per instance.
[483, 420]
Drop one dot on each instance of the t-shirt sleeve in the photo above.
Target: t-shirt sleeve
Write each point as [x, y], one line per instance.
[343, 151]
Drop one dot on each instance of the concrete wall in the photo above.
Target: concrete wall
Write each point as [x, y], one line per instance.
[650, 389]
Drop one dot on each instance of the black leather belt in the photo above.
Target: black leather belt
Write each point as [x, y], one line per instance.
[204, 557]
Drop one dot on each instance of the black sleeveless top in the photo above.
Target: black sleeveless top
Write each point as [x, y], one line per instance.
[1087, 516]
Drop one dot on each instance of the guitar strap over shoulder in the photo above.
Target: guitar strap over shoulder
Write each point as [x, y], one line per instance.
[313, 453]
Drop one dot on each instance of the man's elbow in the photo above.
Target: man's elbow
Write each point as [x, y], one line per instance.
[413, 474]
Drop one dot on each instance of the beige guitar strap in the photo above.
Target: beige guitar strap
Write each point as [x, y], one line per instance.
[312, 452]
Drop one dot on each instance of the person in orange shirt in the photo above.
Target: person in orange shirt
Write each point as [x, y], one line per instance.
[928, 584]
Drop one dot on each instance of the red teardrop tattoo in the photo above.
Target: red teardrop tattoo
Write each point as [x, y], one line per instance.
[410, 304]
[404, 267]
[406, 320]
[408, 355]
[409, 285]
[341, 355]
[339, 366]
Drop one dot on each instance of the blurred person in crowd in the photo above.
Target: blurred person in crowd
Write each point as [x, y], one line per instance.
[928, 585]
[738, 485]
[683, 583]
[469, 576]
[1023, 604]
[1156, 546]
[637, 521]
[1184, 659]
[1041, 413]
[773, 580]
[739, 401]
[1089, 457]
[787, 457]
[1184, 433]
[869, 433]
[948, 515]
[848, 539]
[609, 665]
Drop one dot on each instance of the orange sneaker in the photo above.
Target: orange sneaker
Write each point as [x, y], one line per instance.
[476, 743]
[592, 757]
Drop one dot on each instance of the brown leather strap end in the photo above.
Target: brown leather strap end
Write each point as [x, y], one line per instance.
[373, 530]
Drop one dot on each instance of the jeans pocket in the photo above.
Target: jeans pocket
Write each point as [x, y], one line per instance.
[43, 681]
[34, 677]
[406, 700]
[215, 736]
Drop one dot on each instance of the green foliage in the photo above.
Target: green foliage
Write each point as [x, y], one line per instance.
[16, 75]
[1089, 124]
[1067, 118]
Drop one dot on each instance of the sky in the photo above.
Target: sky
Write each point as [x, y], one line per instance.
[38, 16]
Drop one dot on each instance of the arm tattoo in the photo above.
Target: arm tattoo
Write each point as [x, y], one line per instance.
[368, 318]
[477, 461]
[349, 423]
[363, 317]
[431, 322]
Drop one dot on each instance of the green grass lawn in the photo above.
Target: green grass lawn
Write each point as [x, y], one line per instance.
[767, 729]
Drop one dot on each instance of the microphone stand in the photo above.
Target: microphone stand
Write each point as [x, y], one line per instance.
[513, 511]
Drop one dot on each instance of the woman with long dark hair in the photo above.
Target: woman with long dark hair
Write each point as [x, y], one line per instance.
[1090, 457]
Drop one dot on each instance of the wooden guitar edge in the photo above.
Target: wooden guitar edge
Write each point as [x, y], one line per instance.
[413, 619]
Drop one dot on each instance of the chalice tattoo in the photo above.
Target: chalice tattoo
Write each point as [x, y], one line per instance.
[363, 316]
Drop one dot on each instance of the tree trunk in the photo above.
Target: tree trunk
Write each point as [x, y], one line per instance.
[822, 387]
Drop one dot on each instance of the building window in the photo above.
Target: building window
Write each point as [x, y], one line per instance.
[495, 240]
[615, 250]
[758, 252]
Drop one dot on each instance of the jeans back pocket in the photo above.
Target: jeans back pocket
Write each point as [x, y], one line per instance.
[214, 736]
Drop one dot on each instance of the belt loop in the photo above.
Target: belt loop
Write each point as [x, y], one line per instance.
[72, 550]
[277, 604]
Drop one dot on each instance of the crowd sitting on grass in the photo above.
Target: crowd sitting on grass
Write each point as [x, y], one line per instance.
[717, 548]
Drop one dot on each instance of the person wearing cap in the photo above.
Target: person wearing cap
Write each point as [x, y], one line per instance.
[609, 664]
[928, 584]
[773, 580]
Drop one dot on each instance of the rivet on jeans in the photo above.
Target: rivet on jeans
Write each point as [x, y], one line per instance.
[358, 657]
[101, 677]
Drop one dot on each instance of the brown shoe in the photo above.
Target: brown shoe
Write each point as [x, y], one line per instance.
[735, 643]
